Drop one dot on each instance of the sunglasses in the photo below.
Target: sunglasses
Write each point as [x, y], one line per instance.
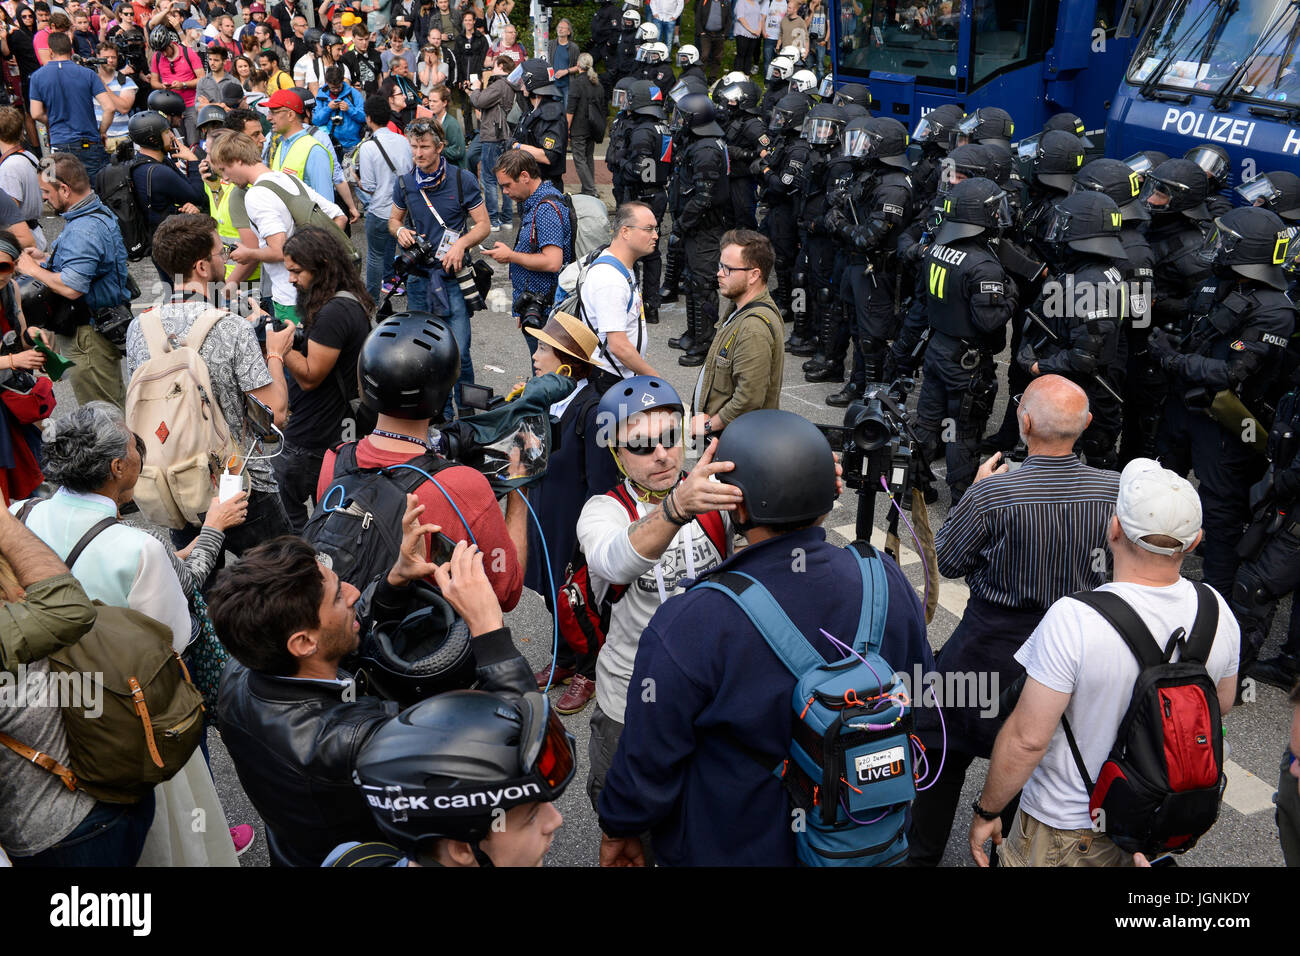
[670, 438]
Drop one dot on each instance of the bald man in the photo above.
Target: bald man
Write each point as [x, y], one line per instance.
[1022, 539]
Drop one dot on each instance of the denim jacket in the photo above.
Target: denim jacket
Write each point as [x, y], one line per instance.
[89, 255]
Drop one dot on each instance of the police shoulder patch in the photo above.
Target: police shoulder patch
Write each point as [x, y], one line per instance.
[892, 208]
[1238, 346]
[787, 179]
[548, 142]
[992, 288]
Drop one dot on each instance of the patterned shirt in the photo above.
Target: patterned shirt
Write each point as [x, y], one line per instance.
[235, 364]
[544, 221]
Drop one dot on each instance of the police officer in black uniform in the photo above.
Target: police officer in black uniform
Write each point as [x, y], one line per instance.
[780, 182]
[605, 26]
[1280, 192]
[616, 143]
[850, 94]
[815, 269]
[652, 64]
[624, 63]
[737, 107]
[778, 76]
[545, 128]
[645, 173]
[1082, 307]
[1174, 194]
[1221, 371]
[933, 138]
[1214, 160]
[879, 205]
[988, 124]
[688, 62]
[677, 270]
[970, 301]
[700, 195]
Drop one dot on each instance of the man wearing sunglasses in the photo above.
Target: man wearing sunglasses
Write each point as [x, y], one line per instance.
[292, 720]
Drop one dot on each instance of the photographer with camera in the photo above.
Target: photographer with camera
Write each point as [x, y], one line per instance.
[291, 716]
[340, 109]
[87, 266]
[62, 94]
[438, 216]
[122, 89]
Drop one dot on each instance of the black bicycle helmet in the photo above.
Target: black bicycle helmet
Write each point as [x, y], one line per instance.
[146, 129]
[440, 769]
[311, 36]
[972, 207]
[212, 113]
[784, 466]
[425, 653]
[168, 102]
[161, 37]
[408, 366]
[1250, 242]
[1114, 178]
[1088, 222]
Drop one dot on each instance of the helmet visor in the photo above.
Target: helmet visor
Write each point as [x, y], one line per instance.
[619, 99]
[1210, 160]
[1260, 191]
[855, 143]
[781, 119]
[678, 91]
[730, 95]
[1219, 244]
[1140, 163]
[997, 211]
[778, 71]
[1056, 228]
[643, 53]
[516, 78]
[819, 132]
[1157, 195]
[927, 131]
[1027, 148]
[968, 125]
[827, 88]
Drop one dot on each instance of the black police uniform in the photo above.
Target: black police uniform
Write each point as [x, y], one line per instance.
[660, 74]
[701, 198]
[546, 127]
[781, 182]
[645, 170]
[745, 137]
[624, 56]
[970, 300]
[776, 89]
[1239, 333]
[825, 335]
[1142, 376]
[815, 269]
[606, 25]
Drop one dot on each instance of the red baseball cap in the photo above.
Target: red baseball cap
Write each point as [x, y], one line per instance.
[286, 98]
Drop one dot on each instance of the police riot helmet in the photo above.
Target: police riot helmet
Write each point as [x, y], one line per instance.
[161, 37]
[780, 68]
[887, 142]
[1214, 160]
[824, 125]
[695, 113]
[536, 78]
[789, 113]
[1070, 123]
[735, 76]
[656, 53]
[621, 89]
[803, 81]
[791, 53]
[167, 102]
[645, 99]
[146, 129]
[647, 33]
[440, 769]
[936, 127]
[212, 113]
[426, 652]
[1176, 186]
[749, 103]
[687, 55]
[408, 365]
[855, 93]
[1144, 161]
[1114, 178]
[1058, 157]
[972, 207]
[1001, 162]
[971, 161]
[640, 393]
[1278, 191]
[854, 143]
[986, 123]
[783, 464]
[854, 111]
[1251, 242]
[1087, 222]
[631, 19]
[726, 98]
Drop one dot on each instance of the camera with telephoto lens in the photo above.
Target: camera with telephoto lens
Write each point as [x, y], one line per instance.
[90, 60]
[419, 256]
[468, 287]
[532, 310]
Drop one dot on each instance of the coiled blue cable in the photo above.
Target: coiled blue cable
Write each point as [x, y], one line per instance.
[434, 481]
[555, 616]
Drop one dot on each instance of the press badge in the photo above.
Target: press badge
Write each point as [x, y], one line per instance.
[449, 238]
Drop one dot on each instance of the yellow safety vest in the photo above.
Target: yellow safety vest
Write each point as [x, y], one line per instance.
[296, 160]
[219, 209]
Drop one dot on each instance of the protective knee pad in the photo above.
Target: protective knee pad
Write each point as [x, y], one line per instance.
[1252, 599]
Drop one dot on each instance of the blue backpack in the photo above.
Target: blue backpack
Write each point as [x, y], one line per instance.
[849, 767]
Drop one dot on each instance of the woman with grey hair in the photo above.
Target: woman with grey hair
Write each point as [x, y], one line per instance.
[586, 111]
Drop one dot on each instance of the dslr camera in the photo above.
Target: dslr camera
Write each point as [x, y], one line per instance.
[533, 310]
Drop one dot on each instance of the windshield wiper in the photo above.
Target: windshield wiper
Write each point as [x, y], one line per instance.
[1149, 85]
[1221, 99]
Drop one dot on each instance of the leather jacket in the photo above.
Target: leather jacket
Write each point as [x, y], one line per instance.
[294, 742]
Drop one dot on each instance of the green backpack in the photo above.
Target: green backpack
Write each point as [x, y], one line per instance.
[306, 212]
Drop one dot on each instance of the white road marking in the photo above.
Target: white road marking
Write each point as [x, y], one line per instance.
[1246, 793]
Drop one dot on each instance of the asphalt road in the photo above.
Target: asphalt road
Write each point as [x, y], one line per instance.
[1245, 834]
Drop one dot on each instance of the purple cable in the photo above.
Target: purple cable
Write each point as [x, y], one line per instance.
[943, 727]
[862, 823]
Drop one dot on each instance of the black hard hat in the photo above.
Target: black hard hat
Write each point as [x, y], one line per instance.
[146, 129]
[645, 99]
[161, 37]
[696, 113]
[1251, 242]
[1070, 123]
[971, 160]
[538, 79]
[936, 127]
[854, 93]
[212, 113]
[408, 366]
[824, 125]
[987, 123]
[1058, 157]
[1214, 161]
[311, 36]
[887, 142]
[784, 466]
[440, 769]
[972, 207]
[1278, 191]
[1176, 186]
[166, 101]
[425, 653]
[1114, 178]
[789, 113]
[1088, 222]
[328, 40]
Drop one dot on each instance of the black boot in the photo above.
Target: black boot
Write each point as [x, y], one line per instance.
[686, 341]
[826, 372]
[1282, 671]
[803, 342]
[674, 253]
[704, 323]
[845, 397]
[651, 313]
[814, 363]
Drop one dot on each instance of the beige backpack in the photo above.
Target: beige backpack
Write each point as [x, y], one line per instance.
[170, 404]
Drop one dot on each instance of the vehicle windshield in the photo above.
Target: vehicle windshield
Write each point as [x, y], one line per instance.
[1205, 45]
[900, 36]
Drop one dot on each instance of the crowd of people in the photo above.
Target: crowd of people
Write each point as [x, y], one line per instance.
[326, 523]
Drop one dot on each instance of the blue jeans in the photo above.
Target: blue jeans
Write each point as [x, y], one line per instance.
[91, 154]
[666, 29]
[111, 835]
[419, 299]
[491, 152]
[769, 51]
[381, 246]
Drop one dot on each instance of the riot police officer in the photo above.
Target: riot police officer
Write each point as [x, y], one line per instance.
[645, 171]
[1280, 192]
[1219, 373]
[970, 299]
[605, 25]
[700, 195]
[652, 64]
[677, 270]
[879, 205]
[815, 271]
[625, 50]
[1214, 160]
[988, 124]
[616, 144]
[778, 76]
[1174, 194]
[544, 130]
[738, 115]
[854, 94]
[1079, 315]
[780, 183]
[933, 137]
[688, 61]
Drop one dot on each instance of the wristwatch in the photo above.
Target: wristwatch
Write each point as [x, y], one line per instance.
[982, 813]
[708, 426]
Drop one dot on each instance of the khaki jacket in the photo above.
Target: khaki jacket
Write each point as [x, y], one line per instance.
[745, 363]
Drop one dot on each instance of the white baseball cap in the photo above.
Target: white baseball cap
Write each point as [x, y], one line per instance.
[1153, 500]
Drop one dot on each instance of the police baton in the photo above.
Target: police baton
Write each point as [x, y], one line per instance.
[1056, 340]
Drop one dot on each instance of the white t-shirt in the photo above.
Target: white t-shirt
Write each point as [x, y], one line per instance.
[269, 217]
[1075, 650]
[609, 308]
[773, 14]
[747, 11]
[311, 69]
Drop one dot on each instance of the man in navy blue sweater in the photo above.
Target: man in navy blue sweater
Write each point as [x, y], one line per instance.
[705, 680]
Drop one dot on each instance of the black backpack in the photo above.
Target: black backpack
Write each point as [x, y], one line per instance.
[1159, 790]
[358, 522]
[116, 188]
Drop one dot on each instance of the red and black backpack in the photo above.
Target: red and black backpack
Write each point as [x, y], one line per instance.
[584, 620]
[1159, 790]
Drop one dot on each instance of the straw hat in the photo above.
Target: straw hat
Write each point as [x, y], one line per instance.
[568, 335]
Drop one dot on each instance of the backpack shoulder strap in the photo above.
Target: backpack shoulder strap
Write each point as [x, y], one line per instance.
[1201, 639]
[875, 598]
[715, 529]
[25, 511]
[202, 326]
[155, 336]
[1126, 622]
[41, 759]
[405, 475]
[769, 619]
[102, 525]
[620, 495]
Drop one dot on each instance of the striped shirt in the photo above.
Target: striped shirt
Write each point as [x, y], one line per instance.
[1026, 538]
